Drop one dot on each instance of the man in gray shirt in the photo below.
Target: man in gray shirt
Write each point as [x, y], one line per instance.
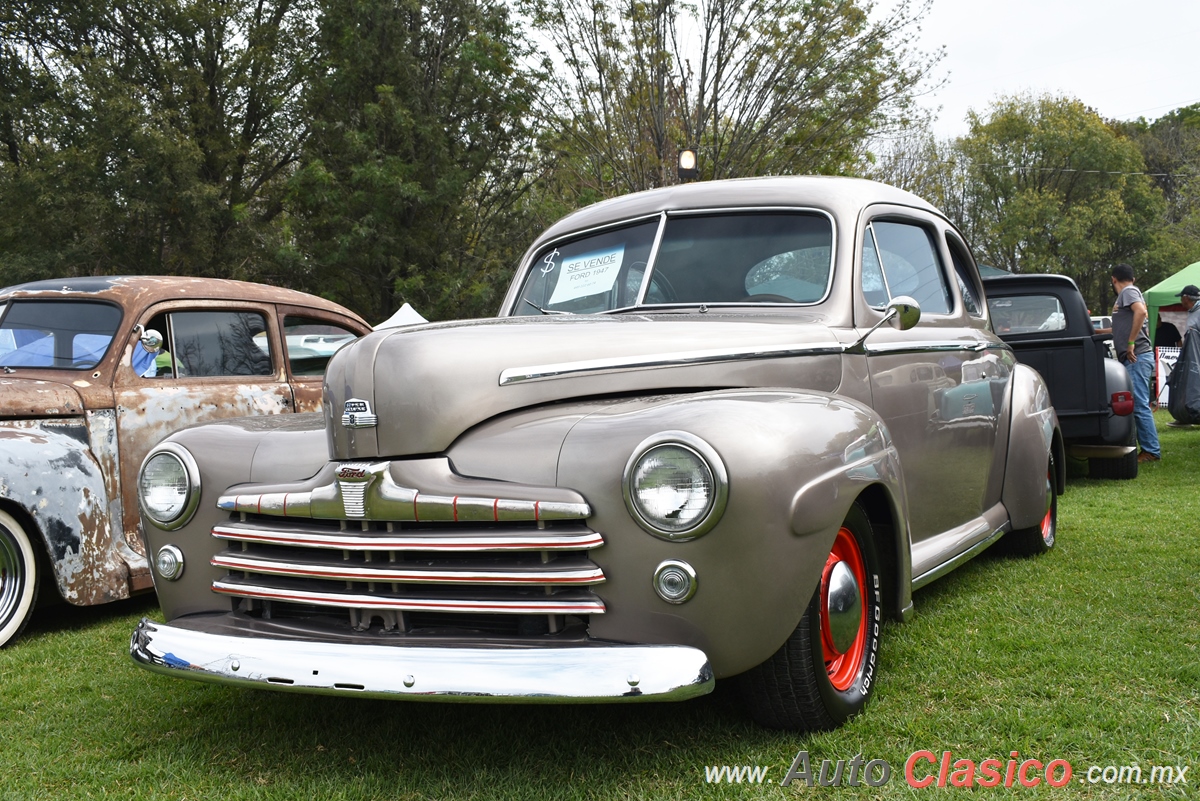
[1131, 337]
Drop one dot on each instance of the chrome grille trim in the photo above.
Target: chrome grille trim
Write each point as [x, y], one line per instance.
[576, 538]
[552, 574]
[567, 603]
[368, 492]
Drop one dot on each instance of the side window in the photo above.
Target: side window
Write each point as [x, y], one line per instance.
[966, 281]
[874, 288]
[219, 343]
[311, 342]
[910, 266]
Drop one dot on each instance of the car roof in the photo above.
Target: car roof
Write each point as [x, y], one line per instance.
[834, 193]
[141, 290]
[1039, 281]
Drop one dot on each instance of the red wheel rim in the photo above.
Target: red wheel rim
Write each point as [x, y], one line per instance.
[843, 668]
[1048, 520]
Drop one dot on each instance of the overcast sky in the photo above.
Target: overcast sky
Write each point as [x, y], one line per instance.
[1124, 58]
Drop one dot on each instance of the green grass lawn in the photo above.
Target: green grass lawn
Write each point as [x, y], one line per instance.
[1088, 654]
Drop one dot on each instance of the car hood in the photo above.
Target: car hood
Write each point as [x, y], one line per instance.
[426, 385]
[28, 397]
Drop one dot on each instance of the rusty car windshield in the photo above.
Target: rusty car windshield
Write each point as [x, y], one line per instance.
[777, 257]
[60, 334]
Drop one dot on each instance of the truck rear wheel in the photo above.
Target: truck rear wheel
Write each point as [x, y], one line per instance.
[1123, 467]
[18, 578]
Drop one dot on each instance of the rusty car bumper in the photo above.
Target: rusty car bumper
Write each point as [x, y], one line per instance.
[577, 673]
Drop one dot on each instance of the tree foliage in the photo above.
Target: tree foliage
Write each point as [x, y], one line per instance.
[758, 87]
[417, 157]
[1040, 184]
[147, 136]
[1053, 188]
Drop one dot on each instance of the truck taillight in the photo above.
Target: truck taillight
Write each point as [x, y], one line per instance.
[1122, 403]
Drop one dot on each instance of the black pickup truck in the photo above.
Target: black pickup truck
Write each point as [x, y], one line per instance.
[1045, 320]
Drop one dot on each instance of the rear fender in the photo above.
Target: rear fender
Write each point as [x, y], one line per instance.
[53, 475]
[1120, 429]
[1033, 435]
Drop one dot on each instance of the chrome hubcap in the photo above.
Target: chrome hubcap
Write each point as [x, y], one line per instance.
[843, 607]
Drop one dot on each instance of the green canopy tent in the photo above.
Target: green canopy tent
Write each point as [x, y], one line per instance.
[1164, 296]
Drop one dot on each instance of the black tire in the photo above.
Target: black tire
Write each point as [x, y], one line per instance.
[1040, 538]
[795, 689]
[1121, 468]
[18, 579]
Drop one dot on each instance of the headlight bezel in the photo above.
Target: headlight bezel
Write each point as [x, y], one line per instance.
[191, 471]
[707, 456]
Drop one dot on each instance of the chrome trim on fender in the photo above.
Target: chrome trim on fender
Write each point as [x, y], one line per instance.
[543, 372]
[366, 491]
[541, 540]
[563, 603]
[547, 674]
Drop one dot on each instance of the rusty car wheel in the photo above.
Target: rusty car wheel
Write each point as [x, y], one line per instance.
[18, 578]
[825, 672]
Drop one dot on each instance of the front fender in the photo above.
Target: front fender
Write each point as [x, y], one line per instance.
[1033, 436]
[51, 473]
[795, 461]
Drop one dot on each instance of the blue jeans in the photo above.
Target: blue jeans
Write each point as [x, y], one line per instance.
[1139, 375]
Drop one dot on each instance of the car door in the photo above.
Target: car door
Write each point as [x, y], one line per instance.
[310, 338]
[218, 360]
[939, 386]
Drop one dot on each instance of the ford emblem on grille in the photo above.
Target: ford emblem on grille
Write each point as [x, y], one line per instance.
[357, 414]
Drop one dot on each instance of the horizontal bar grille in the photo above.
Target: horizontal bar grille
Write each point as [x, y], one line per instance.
[517, 578]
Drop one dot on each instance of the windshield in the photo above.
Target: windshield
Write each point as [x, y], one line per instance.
[66, 334]
[759, 257]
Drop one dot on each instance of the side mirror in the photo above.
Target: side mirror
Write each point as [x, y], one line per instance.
[152, 341]
[903, 313]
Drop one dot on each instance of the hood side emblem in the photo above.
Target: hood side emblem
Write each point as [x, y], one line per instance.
[356, 413]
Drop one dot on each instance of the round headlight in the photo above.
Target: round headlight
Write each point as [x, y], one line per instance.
[675, 486]
[168, 486]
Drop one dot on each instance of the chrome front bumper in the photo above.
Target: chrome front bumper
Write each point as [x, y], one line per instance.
[595, 672]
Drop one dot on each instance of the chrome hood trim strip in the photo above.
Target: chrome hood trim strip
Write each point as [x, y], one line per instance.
[541, 540]
[549, 575]
[546, 674]
[562, 604]
[366, 491]
[544, 372]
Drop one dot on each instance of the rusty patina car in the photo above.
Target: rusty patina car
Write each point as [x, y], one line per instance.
[82, 400]
[718, 430]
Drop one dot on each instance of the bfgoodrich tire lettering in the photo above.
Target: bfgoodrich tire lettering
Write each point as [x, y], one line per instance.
[18, 578]
[808, 684]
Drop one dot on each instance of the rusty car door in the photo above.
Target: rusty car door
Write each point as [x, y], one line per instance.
[310, 338]
[219, 360]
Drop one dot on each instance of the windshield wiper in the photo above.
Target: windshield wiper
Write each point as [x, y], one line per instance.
[544, 311]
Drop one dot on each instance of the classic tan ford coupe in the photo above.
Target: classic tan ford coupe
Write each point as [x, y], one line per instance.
[718, 430]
